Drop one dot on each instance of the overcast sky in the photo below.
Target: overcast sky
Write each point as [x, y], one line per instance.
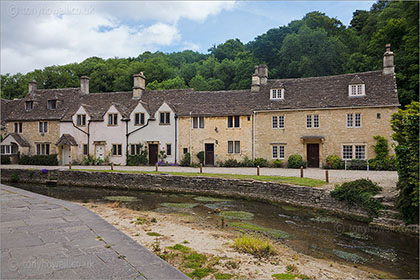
[39, 34]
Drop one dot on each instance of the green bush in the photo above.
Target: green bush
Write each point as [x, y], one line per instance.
[186, 161]
[247, 162]
[277, 163]
[359, 192]
[382, 161]
[295, 161]
[334, 162]
[39, 160]
[230, 163]
[261, 162]
[5, 159]
[14, 178]
[135, 160]
[357, 164]
[200, 156]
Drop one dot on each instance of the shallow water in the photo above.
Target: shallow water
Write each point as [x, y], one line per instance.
[306, 231]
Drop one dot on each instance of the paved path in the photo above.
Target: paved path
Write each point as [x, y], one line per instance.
[47, 238]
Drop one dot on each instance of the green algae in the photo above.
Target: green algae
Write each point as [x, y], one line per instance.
[179, 205]
[122, 198]
[210, 199]
[387, 255]
[237, 215]
[356, 235]
[349, 256]
[324, 220]
[270, 231]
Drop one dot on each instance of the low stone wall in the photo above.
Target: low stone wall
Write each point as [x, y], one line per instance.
[272, 192]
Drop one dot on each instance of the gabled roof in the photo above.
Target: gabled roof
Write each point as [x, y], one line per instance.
[356, 81]
[66, 139]
[19, 139]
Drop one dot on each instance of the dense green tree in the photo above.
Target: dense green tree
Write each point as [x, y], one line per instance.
[199, 83]
[175, 83]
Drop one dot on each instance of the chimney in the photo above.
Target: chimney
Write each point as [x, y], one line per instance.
[389, 67]
[255, 85]
[84, 84]
[33, 86]
[139, 85]
[263, 73]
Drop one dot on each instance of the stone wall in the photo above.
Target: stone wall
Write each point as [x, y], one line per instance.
[267, 191]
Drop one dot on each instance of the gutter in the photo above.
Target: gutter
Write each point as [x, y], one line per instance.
[190, 139]
[176, 136]
[332, 108]
[254, 115]
[127, 134]
[87, 133]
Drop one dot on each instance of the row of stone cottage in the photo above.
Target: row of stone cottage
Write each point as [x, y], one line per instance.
[313, 117]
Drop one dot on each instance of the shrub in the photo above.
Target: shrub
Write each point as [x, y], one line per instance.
[39, 160]
[200, 157]
[357, 164]
[186, 161]
[247, 162]
[359, 192]
[382, 161]
[230, 163]
[334, 162]
[277, 163]
[134, 160]
[254, 246]
[14, 178]
[261, 162]
[295, 161]
[5, 159]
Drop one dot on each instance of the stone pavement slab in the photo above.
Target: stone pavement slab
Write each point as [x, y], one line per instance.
[46, 238]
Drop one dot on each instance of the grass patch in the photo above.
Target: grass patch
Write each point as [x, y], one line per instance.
[284, 276]
[179, 205]
[179, 247]
[239, 215]
[253, 227]
[222, 276]
[153, 234]
[121, 198]
[195, 260]
[276, 179]
[255, 246]
[210, 199]
[200, 273]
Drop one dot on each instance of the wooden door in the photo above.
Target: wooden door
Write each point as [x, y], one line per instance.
[312, 151]
[209, 154]
[153, 154]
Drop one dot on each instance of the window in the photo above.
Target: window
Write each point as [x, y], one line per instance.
[81, 120]
[357, 120]
[42, 149]
[349, 120]
[275, 122]
[165, 118]
[8, 149]
[43, 127]
[278, 151]
[230, 147]
[316, 121]
[378, 115]
[85, 149]
[233, 121]
[52, 104]
[195, 122]
[277, 93]
[112, 119]
[135, 149]
[168, 149]
[237, 147]
[308, 121]
[281, 121]
[116, 149]
[201, 122]
[29, 105]
[185, 150]
[18, 127]
[138, 118]
[347, 152]
[360, 152]
[357, 90]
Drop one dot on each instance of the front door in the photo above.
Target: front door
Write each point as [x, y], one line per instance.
[209, 154]
[66, 154]
[313, 155]
[100, 152]
[153, 154]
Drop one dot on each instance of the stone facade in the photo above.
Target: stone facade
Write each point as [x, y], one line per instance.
[216, 132]
[30, 132]
[331, 135]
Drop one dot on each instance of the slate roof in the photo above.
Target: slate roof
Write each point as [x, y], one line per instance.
[19, 139]
[66, 139]
[300, 93]
[3, 109]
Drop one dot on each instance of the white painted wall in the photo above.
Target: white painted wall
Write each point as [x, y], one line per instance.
[164, 134]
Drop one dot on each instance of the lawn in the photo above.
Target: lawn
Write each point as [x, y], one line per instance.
[276, 179]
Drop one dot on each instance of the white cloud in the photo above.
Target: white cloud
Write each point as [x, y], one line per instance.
[37, 34]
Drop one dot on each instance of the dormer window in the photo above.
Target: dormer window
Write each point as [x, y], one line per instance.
[52, 104]
[356, 87]
[277, 93]
[29, 105]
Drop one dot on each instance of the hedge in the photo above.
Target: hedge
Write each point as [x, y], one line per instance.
[39, 160]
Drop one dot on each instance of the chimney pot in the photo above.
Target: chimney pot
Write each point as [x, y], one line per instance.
[389, 67]
[84, 84]
[33, 86]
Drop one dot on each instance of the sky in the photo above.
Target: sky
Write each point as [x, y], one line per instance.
[38, 34]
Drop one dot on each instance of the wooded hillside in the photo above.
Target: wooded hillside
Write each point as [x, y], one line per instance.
[316, 45]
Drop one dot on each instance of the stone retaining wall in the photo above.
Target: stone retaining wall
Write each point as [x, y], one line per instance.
[268, 191]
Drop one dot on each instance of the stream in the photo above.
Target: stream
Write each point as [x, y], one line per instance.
[305, 230]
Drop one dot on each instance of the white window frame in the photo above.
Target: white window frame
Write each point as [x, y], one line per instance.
[357, 120]
[278, 151]
[281, 122]
[274, 121]
[357, 90]
[315, 121]
[277, 93]
[360, 152]
[274, 152]
[343, 152]
[308, 121]
[349, 121]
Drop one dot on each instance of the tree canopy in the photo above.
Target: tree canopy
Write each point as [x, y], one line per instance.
[315, 45]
